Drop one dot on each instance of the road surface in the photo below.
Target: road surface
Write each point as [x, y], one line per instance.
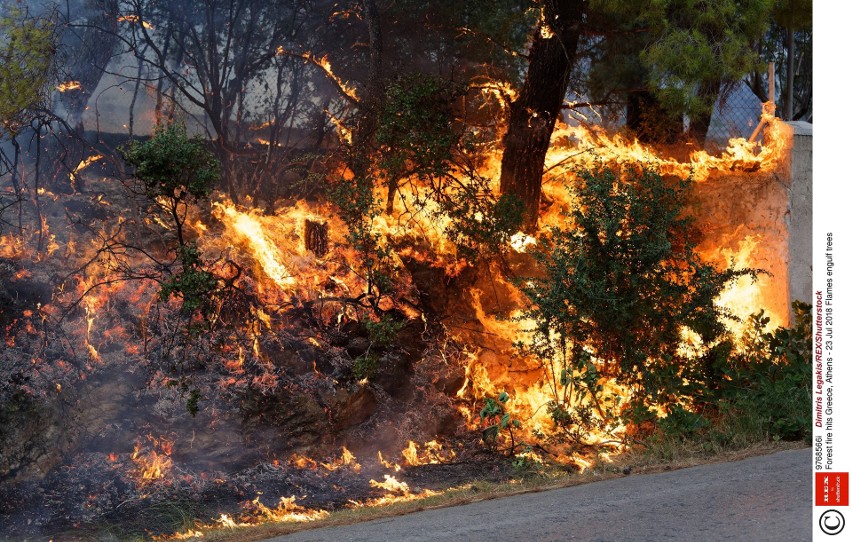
[764, 498]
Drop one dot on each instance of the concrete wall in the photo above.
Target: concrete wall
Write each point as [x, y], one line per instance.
[801, 212]
[763, 220]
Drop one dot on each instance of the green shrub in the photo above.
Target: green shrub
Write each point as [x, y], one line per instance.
[620, 282]
[496, 420]
[767, 390]
[365, 365]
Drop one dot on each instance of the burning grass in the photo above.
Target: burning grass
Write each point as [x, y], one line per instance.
[220, 413]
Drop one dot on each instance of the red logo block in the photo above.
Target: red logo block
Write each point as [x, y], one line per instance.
[832, 489]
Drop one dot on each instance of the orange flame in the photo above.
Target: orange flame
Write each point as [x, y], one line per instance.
[69, 85]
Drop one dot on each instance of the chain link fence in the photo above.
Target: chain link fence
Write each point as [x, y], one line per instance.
[736, 114]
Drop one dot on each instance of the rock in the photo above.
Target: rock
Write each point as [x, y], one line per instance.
[448, 424]
[357, 346]
[450, 381]
[392, 374]
[296, 415]
[346, 333]
[295, 358]
[31, 440]
[352, 406]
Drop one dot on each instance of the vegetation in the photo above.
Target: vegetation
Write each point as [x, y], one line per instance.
[312, 117]
[768, 385]
[622, 283]
[27, 46]
[175, 171]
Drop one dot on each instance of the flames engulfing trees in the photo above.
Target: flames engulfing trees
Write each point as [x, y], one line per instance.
[622, 283]
[653, 61]
[533, 115]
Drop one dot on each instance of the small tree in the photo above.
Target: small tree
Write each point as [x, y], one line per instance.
[618, 287]
[174, 171]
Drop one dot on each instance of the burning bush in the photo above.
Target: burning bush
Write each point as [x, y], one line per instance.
[620, 289]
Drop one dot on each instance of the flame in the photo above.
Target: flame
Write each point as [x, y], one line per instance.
[247, 227]
[346, 459]
[344, 133]
[286, 511]
[432, 452]
[745, 296]
[83, 165]
[573, 146]
[69, 85]
[322, 62]
[391, 485]
[134, 19]
[255, 513]
[151, 466]
[396, 492]
[387, 464]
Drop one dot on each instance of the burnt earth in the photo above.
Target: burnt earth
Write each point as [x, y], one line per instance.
[94, 494]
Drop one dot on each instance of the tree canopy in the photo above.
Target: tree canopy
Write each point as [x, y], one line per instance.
[27, 48]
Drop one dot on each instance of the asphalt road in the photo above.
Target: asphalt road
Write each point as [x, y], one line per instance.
[765, 498]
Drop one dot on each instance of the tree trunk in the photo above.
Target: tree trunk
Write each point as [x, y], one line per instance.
[533, 115]
[316, 237]
[699, 123]
[789, 93]
[362, 141]
[651, 123]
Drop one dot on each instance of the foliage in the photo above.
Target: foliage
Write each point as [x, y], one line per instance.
[27, 48]
[621, 285]
[415, 133]
[193, 283]
[769, 382]
[495, 418]
[384, 332]
[421, 146]
[365, 365]
[680, 52]
[175, 171]
[174, 166]
[789, 43]
[359, 209]
[482, 225]
[702, 45]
